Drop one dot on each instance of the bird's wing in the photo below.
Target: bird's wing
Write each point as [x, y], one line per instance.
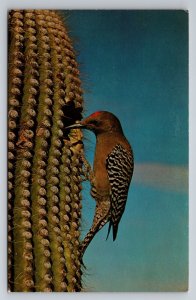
[119, 164]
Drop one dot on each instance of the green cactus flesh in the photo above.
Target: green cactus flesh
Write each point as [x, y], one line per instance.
[44, 181]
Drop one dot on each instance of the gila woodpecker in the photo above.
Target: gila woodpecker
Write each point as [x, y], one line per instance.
[112, 171]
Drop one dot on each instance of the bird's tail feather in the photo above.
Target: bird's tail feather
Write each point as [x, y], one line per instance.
[115, 230]
[90, 235]
[109, 228]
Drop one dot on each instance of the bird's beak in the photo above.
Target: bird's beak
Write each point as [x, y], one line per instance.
[75, 126]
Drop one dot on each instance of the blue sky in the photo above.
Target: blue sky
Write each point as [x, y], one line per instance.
[135, 64]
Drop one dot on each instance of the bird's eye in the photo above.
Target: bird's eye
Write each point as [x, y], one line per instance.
[94, 122]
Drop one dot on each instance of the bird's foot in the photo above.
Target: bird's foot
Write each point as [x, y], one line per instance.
[87, 170]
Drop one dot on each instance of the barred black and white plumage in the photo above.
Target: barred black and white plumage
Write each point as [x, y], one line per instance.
[101, 217]
[119, 164]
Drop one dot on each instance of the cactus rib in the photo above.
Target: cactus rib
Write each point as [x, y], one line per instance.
[23, 263]
[43, 275]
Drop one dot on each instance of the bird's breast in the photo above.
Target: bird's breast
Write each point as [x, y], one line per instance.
[102, 183]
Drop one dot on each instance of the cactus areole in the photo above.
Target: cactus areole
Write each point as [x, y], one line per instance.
[44, 168]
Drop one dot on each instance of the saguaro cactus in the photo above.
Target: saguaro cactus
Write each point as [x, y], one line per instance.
[44, 183]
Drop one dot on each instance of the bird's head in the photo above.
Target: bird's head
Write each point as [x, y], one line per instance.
[99, 122]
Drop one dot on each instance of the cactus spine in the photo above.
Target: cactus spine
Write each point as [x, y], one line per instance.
[44, 198]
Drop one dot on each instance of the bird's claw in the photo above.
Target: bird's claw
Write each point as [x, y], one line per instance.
[87, 170]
